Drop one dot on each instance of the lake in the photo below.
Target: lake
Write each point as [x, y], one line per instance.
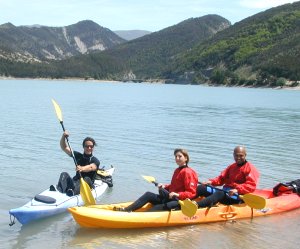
[137, 127]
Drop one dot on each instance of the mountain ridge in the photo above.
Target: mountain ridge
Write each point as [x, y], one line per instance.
[258, 50]
[55, 43]
[124, 60]
[261, 50]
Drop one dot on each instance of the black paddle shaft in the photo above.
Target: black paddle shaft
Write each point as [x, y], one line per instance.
[166, 192]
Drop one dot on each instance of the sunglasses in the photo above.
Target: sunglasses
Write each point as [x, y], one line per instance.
[89, 146]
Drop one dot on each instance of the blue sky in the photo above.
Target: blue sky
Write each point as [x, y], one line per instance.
[151, 15]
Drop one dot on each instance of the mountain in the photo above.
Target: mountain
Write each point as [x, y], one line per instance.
[139, 59]
[148, 55]
[144, 58]
[39, 43]
[131, 34]
[263, 49]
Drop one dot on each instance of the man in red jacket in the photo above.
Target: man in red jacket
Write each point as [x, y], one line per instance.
[240, 177]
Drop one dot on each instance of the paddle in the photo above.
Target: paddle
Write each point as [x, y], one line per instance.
[252, 200]
[85, 190]
[188, 207]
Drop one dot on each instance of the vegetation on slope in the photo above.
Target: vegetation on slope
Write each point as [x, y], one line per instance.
[261, 50]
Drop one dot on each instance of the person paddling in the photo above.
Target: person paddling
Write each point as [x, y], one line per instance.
[240, 177]
[87, 166]
[183, 185]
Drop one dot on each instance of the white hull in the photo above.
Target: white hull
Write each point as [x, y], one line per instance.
[34, 210]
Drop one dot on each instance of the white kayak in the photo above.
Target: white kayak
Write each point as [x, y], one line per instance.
[52, 202]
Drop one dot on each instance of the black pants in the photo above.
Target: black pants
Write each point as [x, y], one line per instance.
[66, 182]
[213, 197]
[160, 201]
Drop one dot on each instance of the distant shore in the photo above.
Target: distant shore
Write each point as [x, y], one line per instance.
[66, 79]
[154, 82]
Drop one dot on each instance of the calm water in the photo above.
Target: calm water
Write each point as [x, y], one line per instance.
[137, 126]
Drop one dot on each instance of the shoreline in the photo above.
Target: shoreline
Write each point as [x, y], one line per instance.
[296, 88]
[66, 79]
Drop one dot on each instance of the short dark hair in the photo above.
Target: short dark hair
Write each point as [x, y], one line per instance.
[89, 139]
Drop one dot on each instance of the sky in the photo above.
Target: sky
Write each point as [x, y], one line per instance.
[150, 15]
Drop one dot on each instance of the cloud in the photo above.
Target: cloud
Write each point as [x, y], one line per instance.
[263, 4]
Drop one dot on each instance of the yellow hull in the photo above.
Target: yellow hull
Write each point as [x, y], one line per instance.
[103, 216]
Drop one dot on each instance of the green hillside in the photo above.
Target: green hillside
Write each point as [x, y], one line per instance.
[142, 58]
[146, 57]
[261, 50]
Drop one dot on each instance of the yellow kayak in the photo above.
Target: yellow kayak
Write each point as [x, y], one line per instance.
[104, 216]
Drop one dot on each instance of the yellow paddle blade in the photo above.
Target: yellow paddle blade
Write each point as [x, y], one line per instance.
[149, 178]
[86, 193]
[188, 207]
[57, 110]
[254, 201]
[102, 172]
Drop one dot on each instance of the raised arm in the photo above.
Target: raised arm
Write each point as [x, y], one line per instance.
[63, 144]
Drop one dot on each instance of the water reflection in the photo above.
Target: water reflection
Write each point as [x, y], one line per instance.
[262, 232]
[41, 234]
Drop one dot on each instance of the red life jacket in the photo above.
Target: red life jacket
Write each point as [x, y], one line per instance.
[289, 187]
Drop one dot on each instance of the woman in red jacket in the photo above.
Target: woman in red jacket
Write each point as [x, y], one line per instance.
[183, 185]
[240, 177]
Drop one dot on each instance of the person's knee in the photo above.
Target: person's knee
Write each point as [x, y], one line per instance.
[64, 174]
[148, 193]
[63, 182]
[201, 190]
